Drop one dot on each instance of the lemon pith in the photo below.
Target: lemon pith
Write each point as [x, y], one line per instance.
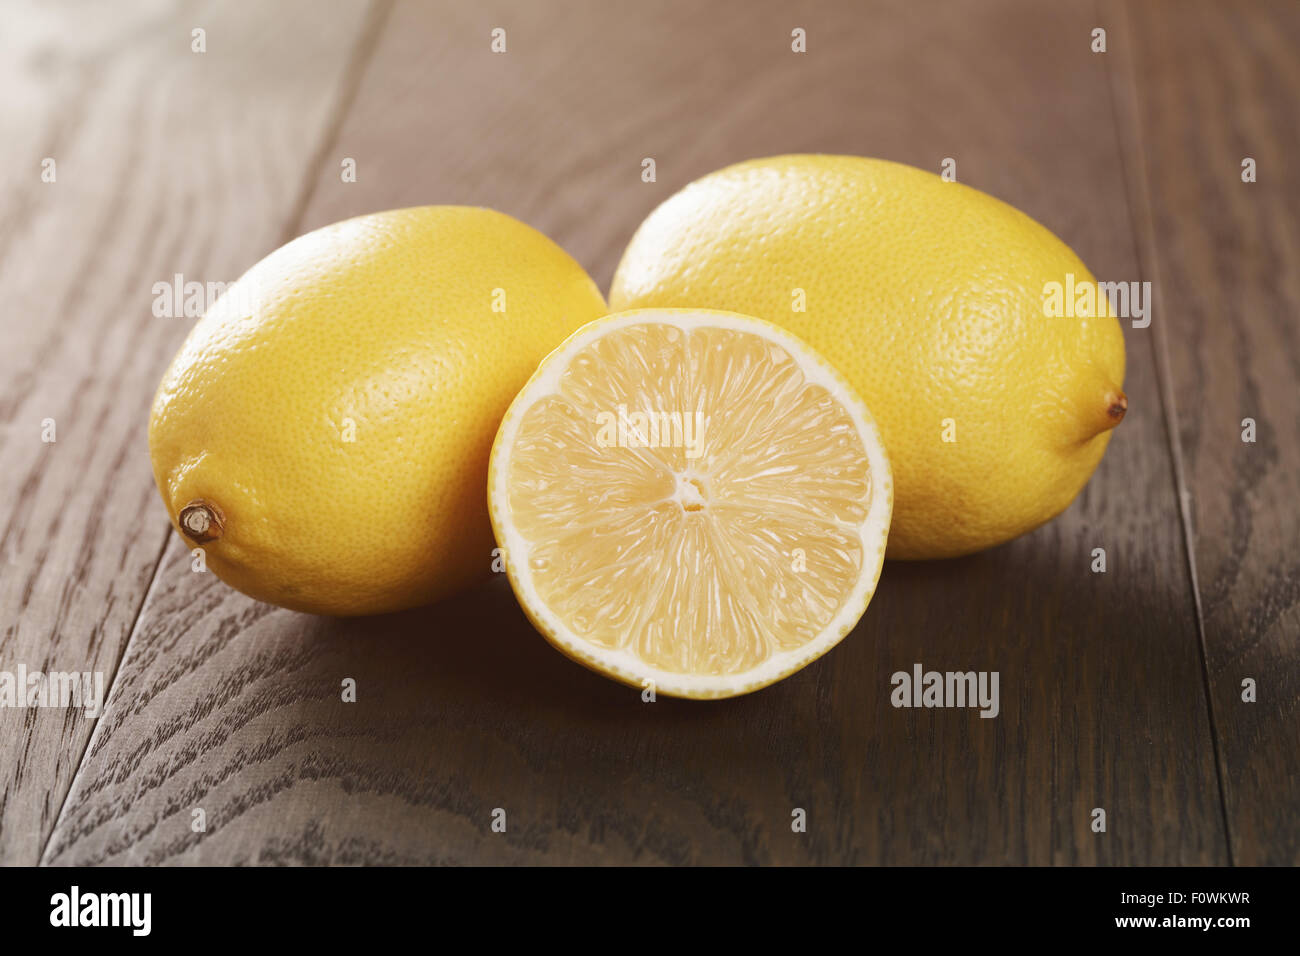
[324, 432]
[928, 296]
[710, 568]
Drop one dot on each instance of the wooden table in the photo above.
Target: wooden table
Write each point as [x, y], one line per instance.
[1120, 690]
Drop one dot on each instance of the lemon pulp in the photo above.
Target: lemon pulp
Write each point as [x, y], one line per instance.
[692, 498]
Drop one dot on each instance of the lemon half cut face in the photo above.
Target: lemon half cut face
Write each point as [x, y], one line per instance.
[692, 501]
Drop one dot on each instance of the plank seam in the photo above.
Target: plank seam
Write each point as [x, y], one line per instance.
[108, 694]
[352, 76]
[1139, 206]
[362, 53]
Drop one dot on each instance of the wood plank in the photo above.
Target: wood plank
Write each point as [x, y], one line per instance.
[167, 161]
[234, 708]
[1215, 84]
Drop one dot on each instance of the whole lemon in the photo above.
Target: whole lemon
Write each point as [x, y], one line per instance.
[929, 296]
[324, 432]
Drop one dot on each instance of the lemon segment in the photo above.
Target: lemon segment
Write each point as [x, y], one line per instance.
[690, 498]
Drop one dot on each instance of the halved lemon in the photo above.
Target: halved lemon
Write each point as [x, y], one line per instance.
[693, 501]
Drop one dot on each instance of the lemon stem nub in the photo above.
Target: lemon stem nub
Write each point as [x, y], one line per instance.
[1102, 414]
[201, 521]
[1116, 406]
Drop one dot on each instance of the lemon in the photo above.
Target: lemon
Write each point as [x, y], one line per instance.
[929, 297]
[690, 501]
[324, 432]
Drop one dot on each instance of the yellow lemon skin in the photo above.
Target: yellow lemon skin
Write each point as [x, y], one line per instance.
[324, 432]
[929, 298]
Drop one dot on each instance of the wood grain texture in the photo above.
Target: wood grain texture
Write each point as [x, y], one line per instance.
[1216, 84]
[233, 707]
[167, 161]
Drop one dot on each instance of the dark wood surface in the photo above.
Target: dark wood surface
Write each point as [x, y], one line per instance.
[1119, 690]
[1222, 253]
[167, 162]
